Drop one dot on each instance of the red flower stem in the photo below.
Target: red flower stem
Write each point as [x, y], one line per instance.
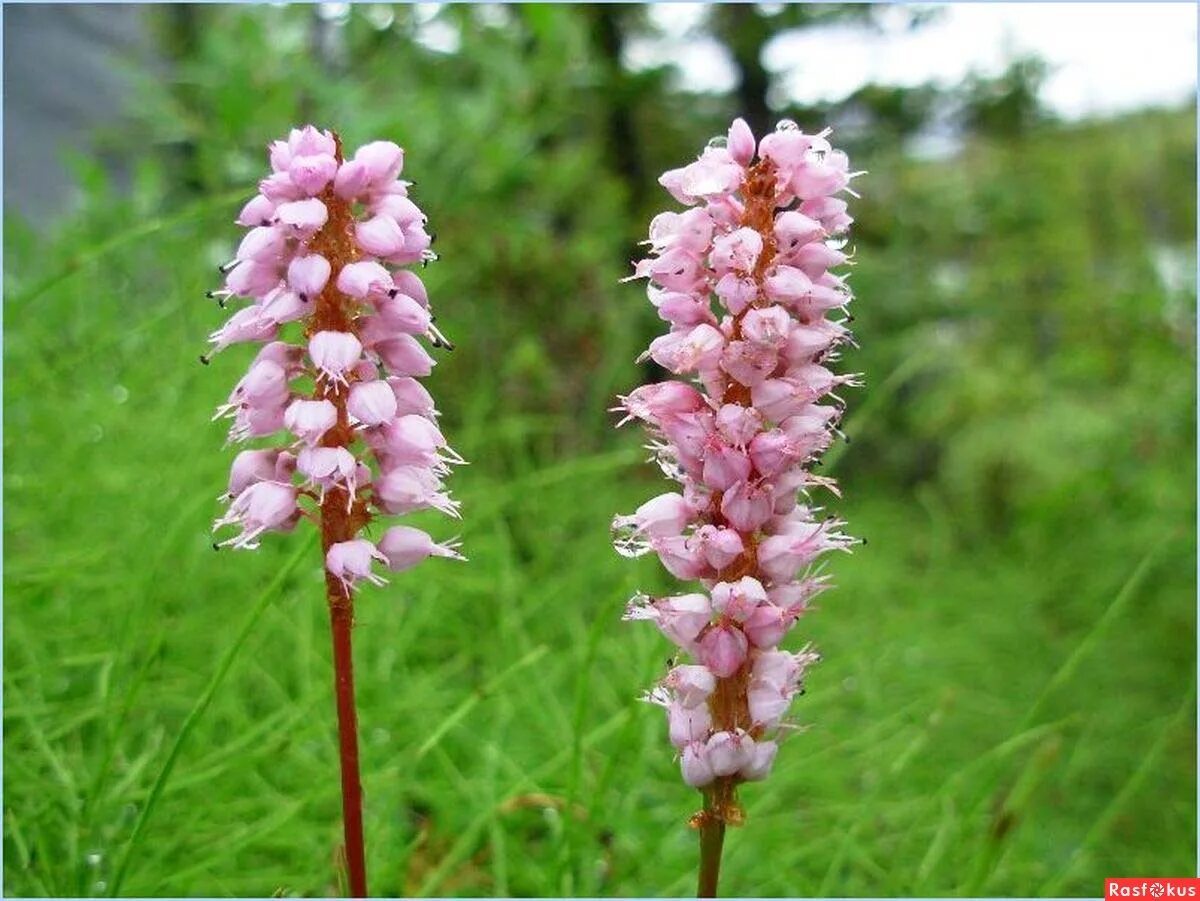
[340, 521]
[712, 838]
[340, 620]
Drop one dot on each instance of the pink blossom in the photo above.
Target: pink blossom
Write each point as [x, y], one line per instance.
[729, 751]
[371, 403]
[334, 354]
[365, 279]
[696, 769]
[405, 547]
[308, 275]
[687, 724]
[723, 650]
[350, 561]
[362, 372]
[750, 301]
[691, 685]
[304, 217]
[262, 507]
[308, 420]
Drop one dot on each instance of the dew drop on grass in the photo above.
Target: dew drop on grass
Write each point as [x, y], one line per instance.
[94, 858]
[120, 394]
[95, 433]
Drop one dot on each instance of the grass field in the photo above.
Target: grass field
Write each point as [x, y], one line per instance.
[1011, 716]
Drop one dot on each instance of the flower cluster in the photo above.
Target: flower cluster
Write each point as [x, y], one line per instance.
[324, 235]
[741, 436]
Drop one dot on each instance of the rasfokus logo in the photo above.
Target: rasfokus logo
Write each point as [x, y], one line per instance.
[1162, 887]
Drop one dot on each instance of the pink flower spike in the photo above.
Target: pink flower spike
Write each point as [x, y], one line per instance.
[405, 547]
[350, 562]
[354, 433]
[334, 354]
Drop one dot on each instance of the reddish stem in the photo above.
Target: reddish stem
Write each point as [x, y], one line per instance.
[712, 838]
[340, 521]
[341, 617]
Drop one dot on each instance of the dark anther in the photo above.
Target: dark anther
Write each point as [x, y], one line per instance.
[205, 359]
[216, 547]
[393, 292]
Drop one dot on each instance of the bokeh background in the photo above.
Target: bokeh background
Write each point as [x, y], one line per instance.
[1007, 701]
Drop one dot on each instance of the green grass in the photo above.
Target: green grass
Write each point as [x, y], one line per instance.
[1006, 705]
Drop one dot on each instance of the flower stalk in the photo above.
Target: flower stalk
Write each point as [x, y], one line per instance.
[363, 441]
[745, 280]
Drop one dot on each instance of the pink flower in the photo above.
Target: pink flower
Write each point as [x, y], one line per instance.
[372, 403]
[304, 217]
[351, 561]
[361, 318]
[723, 650]
[405, 547]
[694, 764]
[687, 724]
[262, 507]
[309, 420]
[312, 172]
[308, 275]
[334, 354]
[379, 236]
[745, 280]
[691, 685]
[364, 280]
[681, 618]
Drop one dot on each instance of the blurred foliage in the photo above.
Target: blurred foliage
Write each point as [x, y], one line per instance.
[1026, 437]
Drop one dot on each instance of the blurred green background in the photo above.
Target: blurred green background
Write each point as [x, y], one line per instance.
[1007, 700]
